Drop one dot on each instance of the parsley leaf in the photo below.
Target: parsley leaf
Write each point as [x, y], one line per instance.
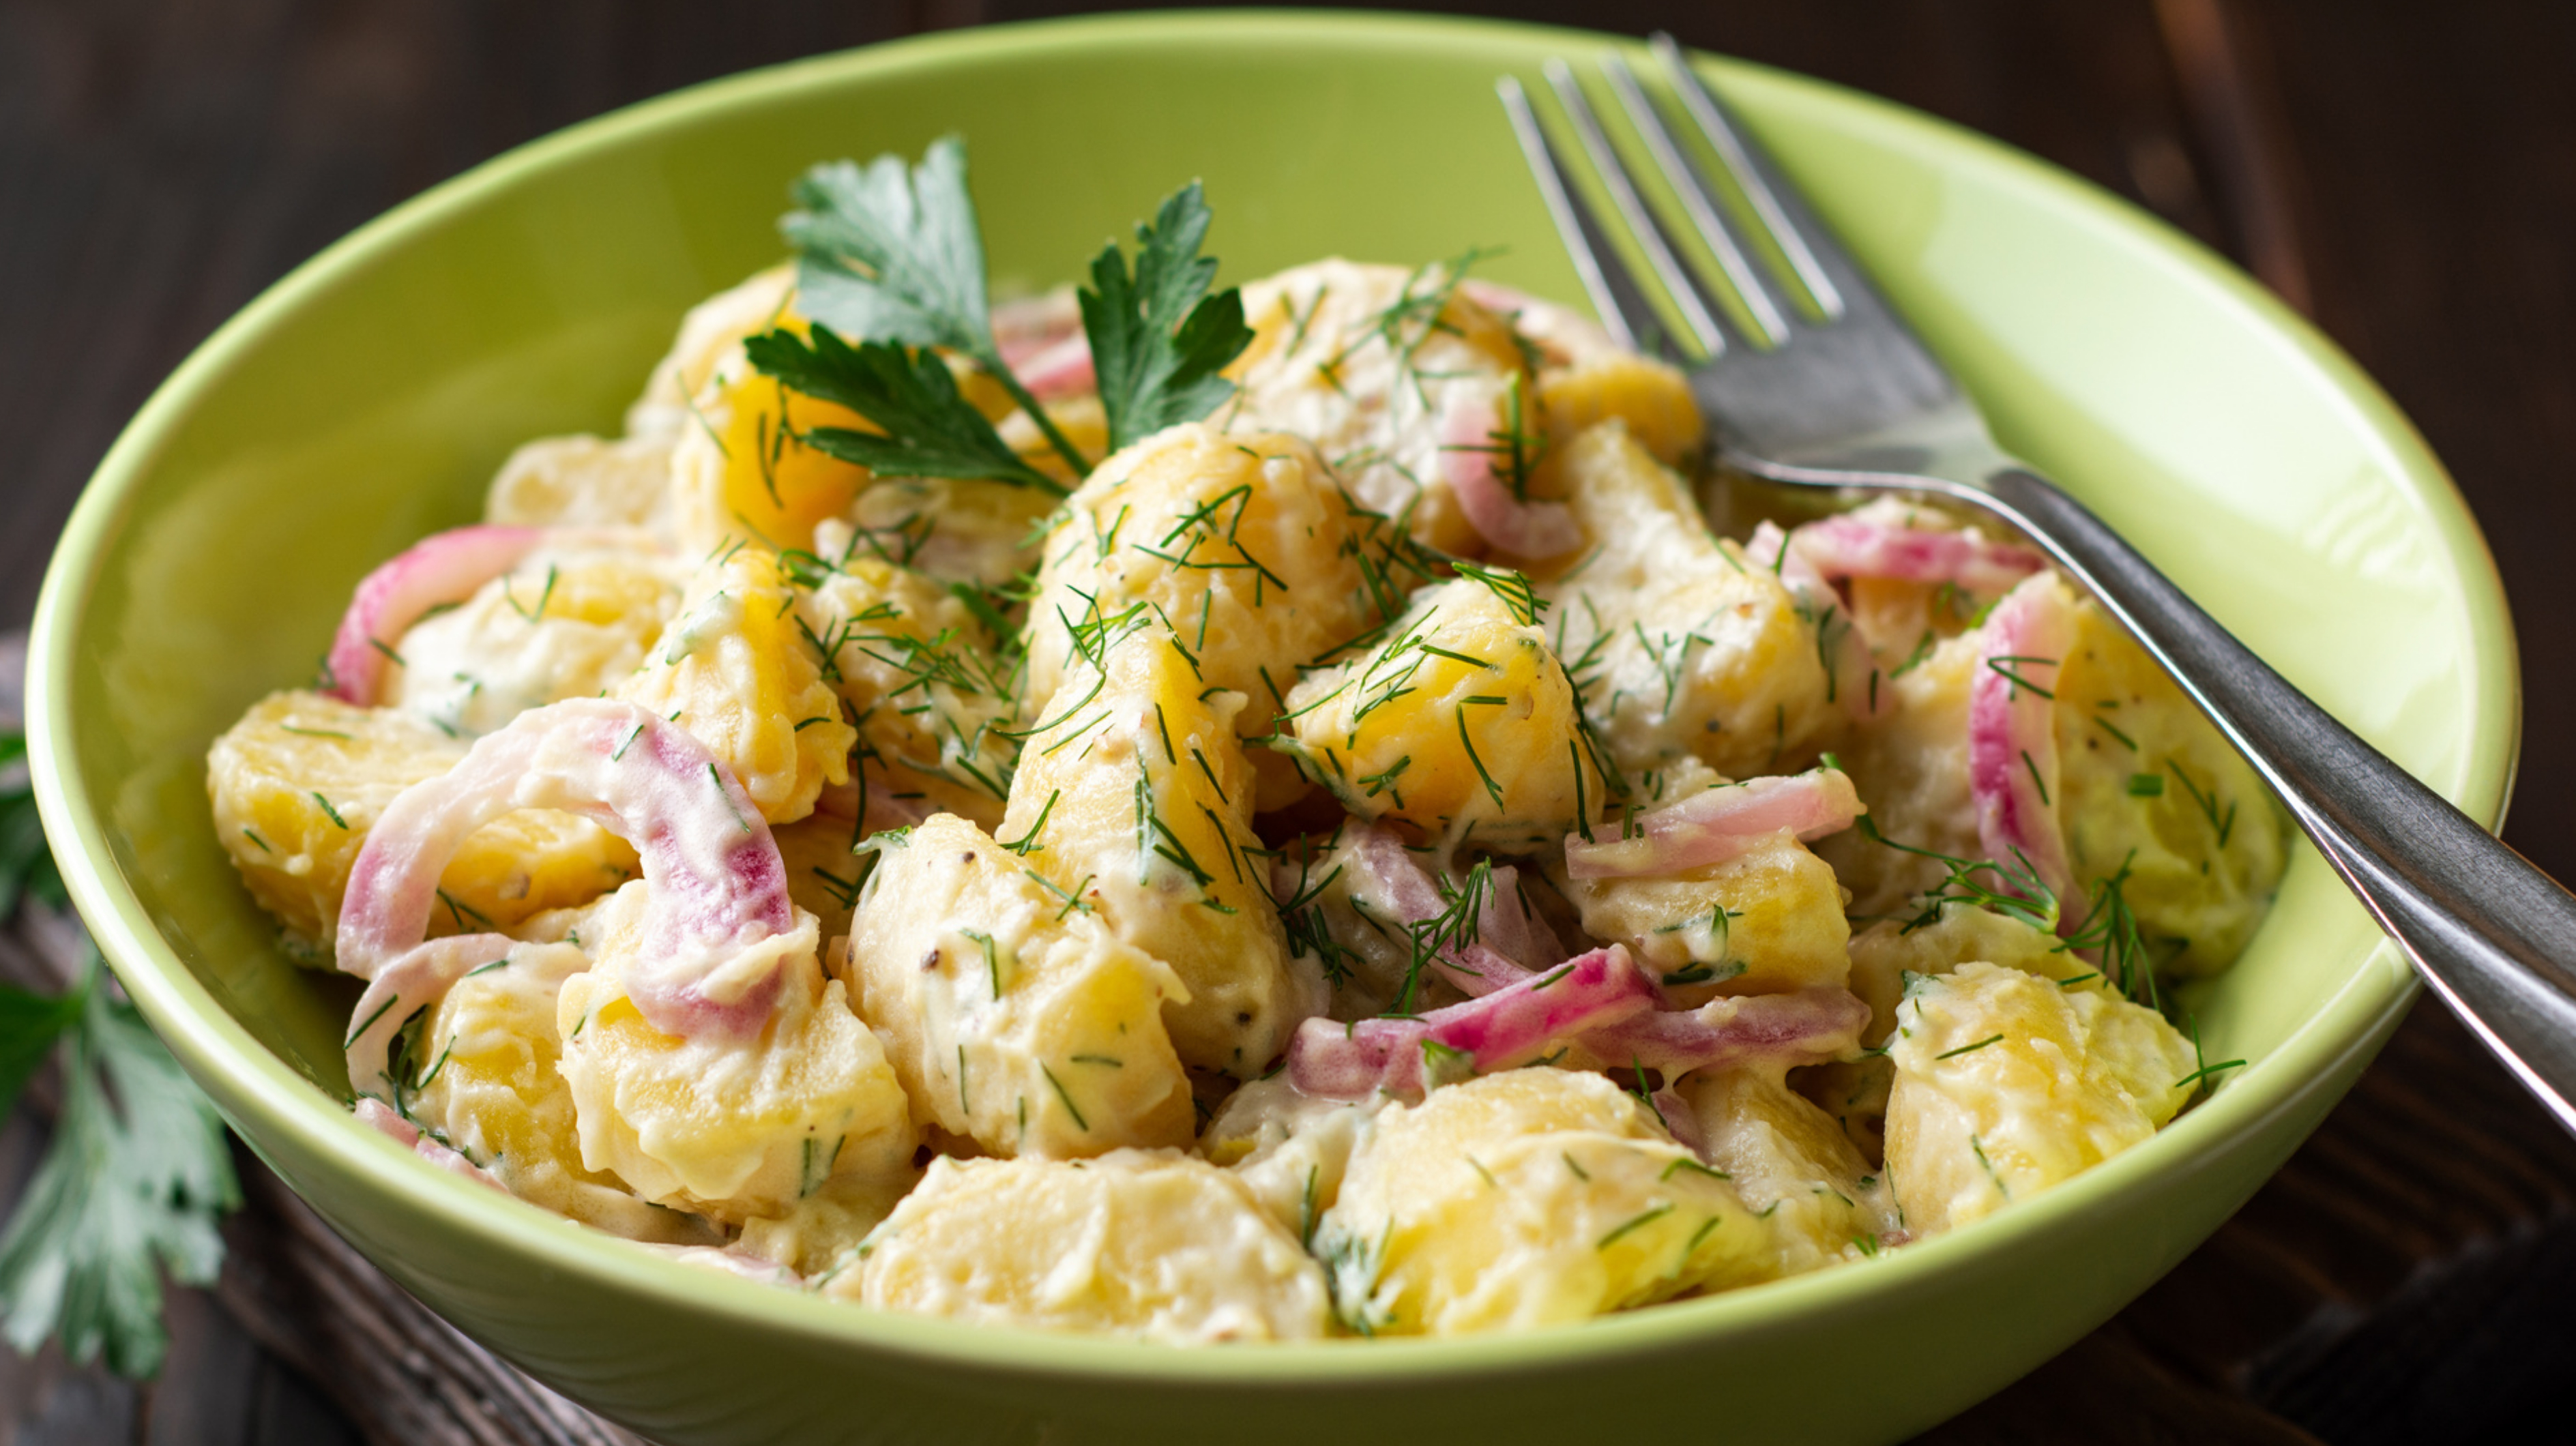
[29, 1024]
[929, 429]
[894, 253]
[1158, 341]
[26, 865]
[136, 1179]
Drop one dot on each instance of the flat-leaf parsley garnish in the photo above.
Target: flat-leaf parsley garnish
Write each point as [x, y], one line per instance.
[893, 253]
[1158, 340]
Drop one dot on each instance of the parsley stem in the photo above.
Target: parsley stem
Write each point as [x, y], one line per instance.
[991, 363]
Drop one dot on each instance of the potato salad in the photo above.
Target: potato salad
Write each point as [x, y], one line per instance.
[1201, 815]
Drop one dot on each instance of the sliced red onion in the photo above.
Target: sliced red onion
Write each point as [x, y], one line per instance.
[2012, 729]
[1511, 1026]
[1681, 1121]
[1505, 923]
[1401, 888]
[717, 888]
[1807, 1027]
[1718, 824]
[374, 1114]
[1471, 428]
[1041, 340]
[1062, 370]
[444, 567]
[1852, 546]
[1030, 325]
[1770, 547]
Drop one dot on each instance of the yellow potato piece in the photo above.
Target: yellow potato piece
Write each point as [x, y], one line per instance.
[1527, 1198]
[300, 779]
[1014, 1017]
[1652, 397]
[2145, 784]
[2149, 791]
[567, 622]
[583, 481]
[1242, 542]
[711, 332]
[1683, 646]
[1288, 1149]
[735, 671]
[1890, 949]
[1360, 360]
[955, 530]
[918, 670]
[481, 1078]
[1910, 767]
[820, 1237]
[1793, 1166]
[2007, 1084]
[1135, 1245]
[1140, 802]
[741, 472]
[1459, 723]
[1766, 921]
[725, 1130]
[823, 873]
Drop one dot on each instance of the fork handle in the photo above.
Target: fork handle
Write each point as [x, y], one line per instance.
[2491, 933]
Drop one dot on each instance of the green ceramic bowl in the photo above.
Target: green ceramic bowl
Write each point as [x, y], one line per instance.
[366, 399]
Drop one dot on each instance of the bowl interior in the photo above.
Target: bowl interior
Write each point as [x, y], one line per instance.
[368, 399]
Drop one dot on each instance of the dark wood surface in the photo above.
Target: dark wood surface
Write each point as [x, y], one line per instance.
[2405, 172]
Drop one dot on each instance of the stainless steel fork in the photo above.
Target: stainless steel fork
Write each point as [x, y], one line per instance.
[1849, 397]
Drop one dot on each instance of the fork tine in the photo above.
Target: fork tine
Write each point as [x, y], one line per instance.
[1688, 296]
[1777, 202]
[1616, 297]
[1697, 199]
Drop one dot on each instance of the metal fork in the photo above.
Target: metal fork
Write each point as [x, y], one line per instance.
[1849, 397]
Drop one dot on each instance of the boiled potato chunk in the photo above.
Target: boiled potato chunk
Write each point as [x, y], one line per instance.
[741, 470]
[1459, 723]
[1242, 542]
[735, 672]
[1910, 766]
[1014, 1017]
[1138, 1245]
[1289, 1149]
[919, 672]
[483, 1081]
[300, 779]
[954, 529]
[1522, 1199]
[1362, 360]
[2148, 793]
[1652, 397]
[819, 1237]
[1139, 801]
[584, 481]
[2007, 1084]
[730, 1131]
[1793, 1165]
[1767, 921]
[567, 622]
[1683, 646]
[710, 332]
[2151, 793]
[1962, 933]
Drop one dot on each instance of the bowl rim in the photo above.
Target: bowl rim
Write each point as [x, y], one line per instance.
[215, 1046]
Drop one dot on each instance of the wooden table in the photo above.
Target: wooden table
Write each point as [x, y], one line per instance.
[2404, 172]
